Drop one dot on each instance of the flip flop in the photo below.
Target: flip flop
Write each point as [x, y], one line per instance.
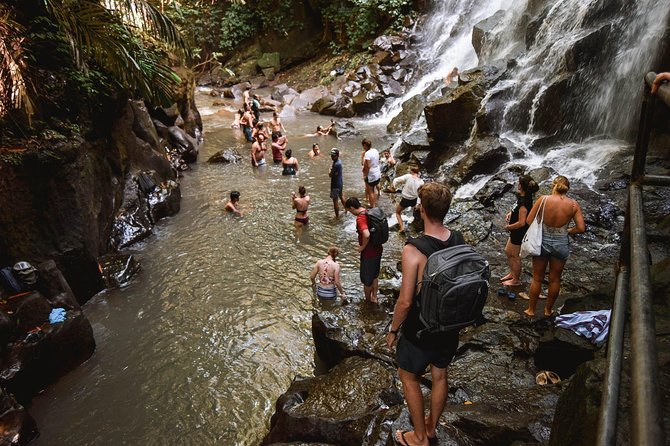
[542, 296]
[404, 440]
[524, 295]
[502, 291]
[511, 295]
[540, 378]
[553, 377]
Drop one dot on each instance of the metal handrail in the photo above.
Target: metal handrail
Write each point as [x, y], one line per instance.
[634, 280]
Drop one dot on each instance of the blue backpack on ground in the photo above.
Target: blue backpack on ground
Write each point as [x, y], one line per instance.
[454, 288]
[9, 282]
[378, 226]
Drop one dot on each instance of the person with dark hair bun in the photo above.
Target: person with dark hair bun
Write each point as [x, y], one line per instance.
[558, 211]
[289, 163]
[516, 224]
[300, 203]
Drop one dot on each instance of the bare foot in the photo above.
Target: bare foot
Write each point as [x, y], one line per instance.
[512, 282]
[430, 433]
[549, 314]
[507, 277]
[529, 313]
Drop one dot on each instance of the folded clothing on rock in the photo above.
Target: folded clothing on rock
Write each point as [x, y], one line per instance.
[593, 325]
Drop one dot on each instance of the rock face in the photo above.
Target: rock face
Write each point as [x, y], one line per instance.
[314, 409]
[16, 425]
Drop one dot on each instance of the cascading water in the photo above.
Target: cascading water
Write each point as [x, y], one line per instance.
[571, 92]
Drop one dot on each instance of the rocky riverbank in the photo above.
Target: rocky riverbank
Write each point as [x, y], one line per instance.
[72, 206]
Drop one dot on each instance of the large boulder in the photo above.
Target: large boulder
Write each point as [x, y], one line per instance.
[226, 156]
[321, 409]
[185, 144]
[54, 287]
[482, 30]
[118, 269]
[40, 358]
[165, 200]
[133, 221]
[416, 140]
[17, 427]
[269, 60]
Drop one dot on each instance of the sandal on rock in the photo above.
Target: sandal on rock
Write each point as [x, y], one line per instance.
[553, 377]
[524, 295]
[541, 378]
[402, 435]
[502, 291]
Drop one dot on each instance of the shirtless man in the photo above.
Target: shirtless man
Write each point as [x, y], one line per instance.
[231, 206]
[316, 151]
[246, 96]
[259, 128]
[258, 151]
[276, 124]
[247, 123]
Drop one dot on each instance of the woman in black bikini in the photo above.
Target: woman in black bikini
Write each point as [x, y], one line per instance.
[289, 163]
[516, 224]
[300, 204]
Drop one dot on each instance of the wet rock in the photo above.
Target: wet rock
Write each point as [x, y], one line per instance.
[552, 109]
[416, 140]
[482, 30]
[351, 330]
[184, 143]
[143, 125]
[562, 351]
[344, 129]
[451, 119]
[165, 200]
[589, 50]
[466, 217]
[411, 110]
[269, 73]
[167, 115]
[367, 102]
[484, 156]
[325, 105]
[31, 311]
[54, 287]
[226, 156]
[321, 409]
[309, 97]
[133, 222]
[344, 107]
[118, 269]
[7, 327]
[32, 363]
[279, 92]
[17, 427]
[287, 112]
[392, 88]
[578, 408]
[492, 191]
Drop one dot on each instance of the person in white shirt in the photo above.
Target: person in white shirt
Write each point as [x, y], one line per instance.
[409, 194]
[371, 171]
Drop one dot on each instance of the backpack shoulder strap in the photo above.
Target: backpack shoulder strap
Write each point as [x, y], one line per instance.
[421, 244]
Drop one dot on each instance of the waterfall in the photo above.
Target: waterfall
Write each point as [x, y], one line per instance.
[571, 93]
[446, 42]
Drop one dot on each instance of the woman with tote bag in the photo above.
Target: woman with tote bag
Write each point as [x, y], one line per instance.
[558, 211]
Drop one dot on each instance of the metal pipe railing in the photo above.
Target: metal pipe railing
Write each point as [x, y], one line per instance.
[633, 280]
[607, 420]
[646, 420]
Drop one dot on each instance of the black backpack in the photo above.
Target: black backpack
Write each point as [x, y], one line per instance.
[378, 226]
[454, 288]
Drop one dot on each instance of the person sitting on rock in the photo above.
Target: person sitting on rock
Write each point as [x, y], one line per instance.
[452, 76]
[316, 151]
[232, 204]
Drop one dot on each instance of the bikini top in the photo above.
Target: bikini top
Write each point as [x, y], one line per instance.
[324, 278]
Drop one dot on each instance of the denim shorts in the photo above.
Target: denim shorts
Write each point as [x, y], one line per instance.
[555, 245]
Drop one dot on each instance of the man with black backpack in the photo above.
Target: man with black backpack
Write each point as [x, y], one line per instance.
[370, 246]
[428, 337]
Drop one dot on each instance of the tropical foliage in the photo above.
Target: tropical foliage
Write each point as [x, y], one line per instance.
[93, 44]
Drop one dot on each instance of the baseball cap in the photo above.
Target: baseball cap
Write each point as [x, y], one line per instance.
[334, 152]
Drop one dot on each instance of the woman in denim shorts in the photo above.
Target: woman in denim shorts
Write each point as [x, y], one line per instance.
[559, 211]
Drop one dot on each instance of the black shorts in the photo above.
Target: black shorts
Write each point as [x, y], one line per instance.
[406, 202]
[415, 360]
[336, 194]
[372, 183]
[370, 269]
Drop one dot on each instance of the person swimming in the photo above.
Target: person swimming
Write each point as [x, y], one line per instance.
[232, 205]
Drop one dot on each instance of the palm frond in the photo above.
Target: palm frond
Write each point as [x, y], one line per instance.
[13, 86]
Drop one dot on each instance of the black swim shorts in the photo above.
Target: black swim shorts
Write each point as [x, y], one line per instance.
[415, 360]
[336, 194]
[372, 183]
[406, 202]
[370, 269]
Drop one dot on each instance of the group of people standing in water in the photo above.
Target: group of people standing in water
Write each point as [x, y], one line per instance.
[557, 211]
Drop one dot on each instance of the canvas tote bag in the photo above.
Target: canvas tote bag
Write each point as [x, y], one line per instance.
[532, 241]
